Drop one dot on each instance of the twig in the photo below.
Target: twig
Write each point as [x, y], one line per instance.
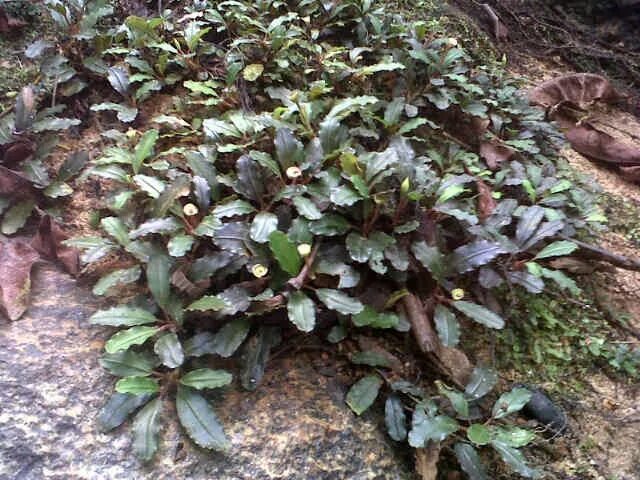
[299, 280]
[596, 253]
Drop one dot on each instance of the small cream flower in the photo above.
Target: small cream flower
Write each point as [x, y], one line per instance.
[190, 210]
[259, 270]
[405, 186]
[457, 294]
[304, 249]
[294, 172]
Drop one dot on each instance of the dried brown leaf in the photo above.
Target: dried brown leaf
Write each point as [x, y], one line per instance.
[486, 202]
[427, 461]
[16, 260]
[579, 89]
[599, 145]
[494, 154]
[12, 183]
[48, 242]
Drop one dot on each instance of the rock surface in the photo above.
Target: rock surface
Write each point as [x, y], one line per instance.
[295, 426]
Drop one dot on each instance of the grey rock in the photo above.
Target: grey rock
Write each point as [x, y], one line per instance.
[295, 426]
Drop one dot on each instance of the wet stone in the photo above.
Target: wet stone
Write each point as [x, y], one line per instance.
[294, 426]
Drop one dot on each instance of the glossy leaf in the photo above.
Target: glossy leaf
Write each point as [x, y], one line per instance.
[395, 418]
[132, 336]
[470, 461]
[122, 316]
[285, 252]
[128, 363]
[482, 381]
[301, 311]
[363, 393]
[158, 278]
[118, 408]
[169, 350]
[146, 426]
[199, 420]
[206, 378]
[339, 301]
[447, 326]
[515, 459]
[263, 225]
[137, 385]
[511, 402]
[480, 314]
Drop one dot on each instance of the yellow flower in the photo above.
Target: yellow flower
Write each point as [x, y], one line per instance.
[405, 186]
[294, 172]
[259, 270]
[190, 210]
[457, 294]
[304, 249]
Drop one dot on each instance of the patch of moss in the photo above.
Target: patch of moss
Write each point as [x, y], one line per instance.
[624, 217]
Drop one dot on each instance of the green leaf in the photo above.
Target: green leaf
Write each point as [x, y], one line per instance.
[144, 148]
[208, 303]
[515, 459]
[557, 249]
[180, 245]
[307, 208]
[369, 317]
[137, 385]
[301, 311]
[345, 196]
[152, 186]
[159, 277]
[250, 182]
[480, 314]
[457, 399]
[119, 79]
[447, 326]
[128, 363]
[54, 124]
[337, 334]
[230, 337]
[339, 301]
[118, 408]
[511, 402]
[122, 316]
[155, 225]
[15, 218]
[233, 208]
[117, 229]
[363, 393]
[289, 150]
[58, 189]
[263, 225]
[431, 259]
[145, 428]
[117, 277]
[169, 349]
[425, 428]
[470, 461]
[199, 420]
[285, 252]
[528, 223]
[482, 381]
[206, 378]
[479, 434]
[395, 418]
[124, 113]
[370, 358]
[330, 225]
[132, 336]
[252, 72]
[180, 187]
[513, 436]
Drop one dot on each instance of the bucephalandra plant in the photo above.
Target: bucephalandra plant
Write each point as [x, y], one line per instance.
[317, 154]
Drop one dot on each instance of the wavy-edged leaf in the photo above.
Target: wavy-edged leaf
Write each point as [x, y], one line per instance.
[285, 252]
[307, 208]
[426, 428]
[547, 229]
[289, 150]
[431, 258]
[155, 225]
[146, 426]
[119, 79]
[227, 340]
[159, 278]
[395, 418]
[515, 437]
[231, 237]
[144, 148]
[480, 314]
[557, 249]
[476, 254]
[330, 225]
[180, 245]
[528, 223]
[179, 187]
[116, 410]
[263, 225]
[470, 462]
[363, 393]
[339, 301]
[122, 316]
[137, 385]
[482, 381]
[15, 218]
[169, 350]
[301, 311]
[530, 282]
[128, 363]
[132, 336]
[199, 420]
[121, 276]
[115, 227]
[232, 209]
[511, 402]
[515, 459]
[206, 378]
[208, 303]
[250, 181]
[447, 326]
[371, 358]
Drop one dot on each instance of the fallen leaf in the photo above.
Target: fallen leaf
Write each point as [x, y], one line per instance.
[494, 154]
[8, 23]
[579, 89]
[16, 152]
[16, 260]
[12, 183]
[599, 145]
[486, 202]
[48, 242]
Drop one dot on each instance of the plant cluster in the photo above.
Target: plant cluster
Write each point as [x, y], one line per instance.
[316, 155]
